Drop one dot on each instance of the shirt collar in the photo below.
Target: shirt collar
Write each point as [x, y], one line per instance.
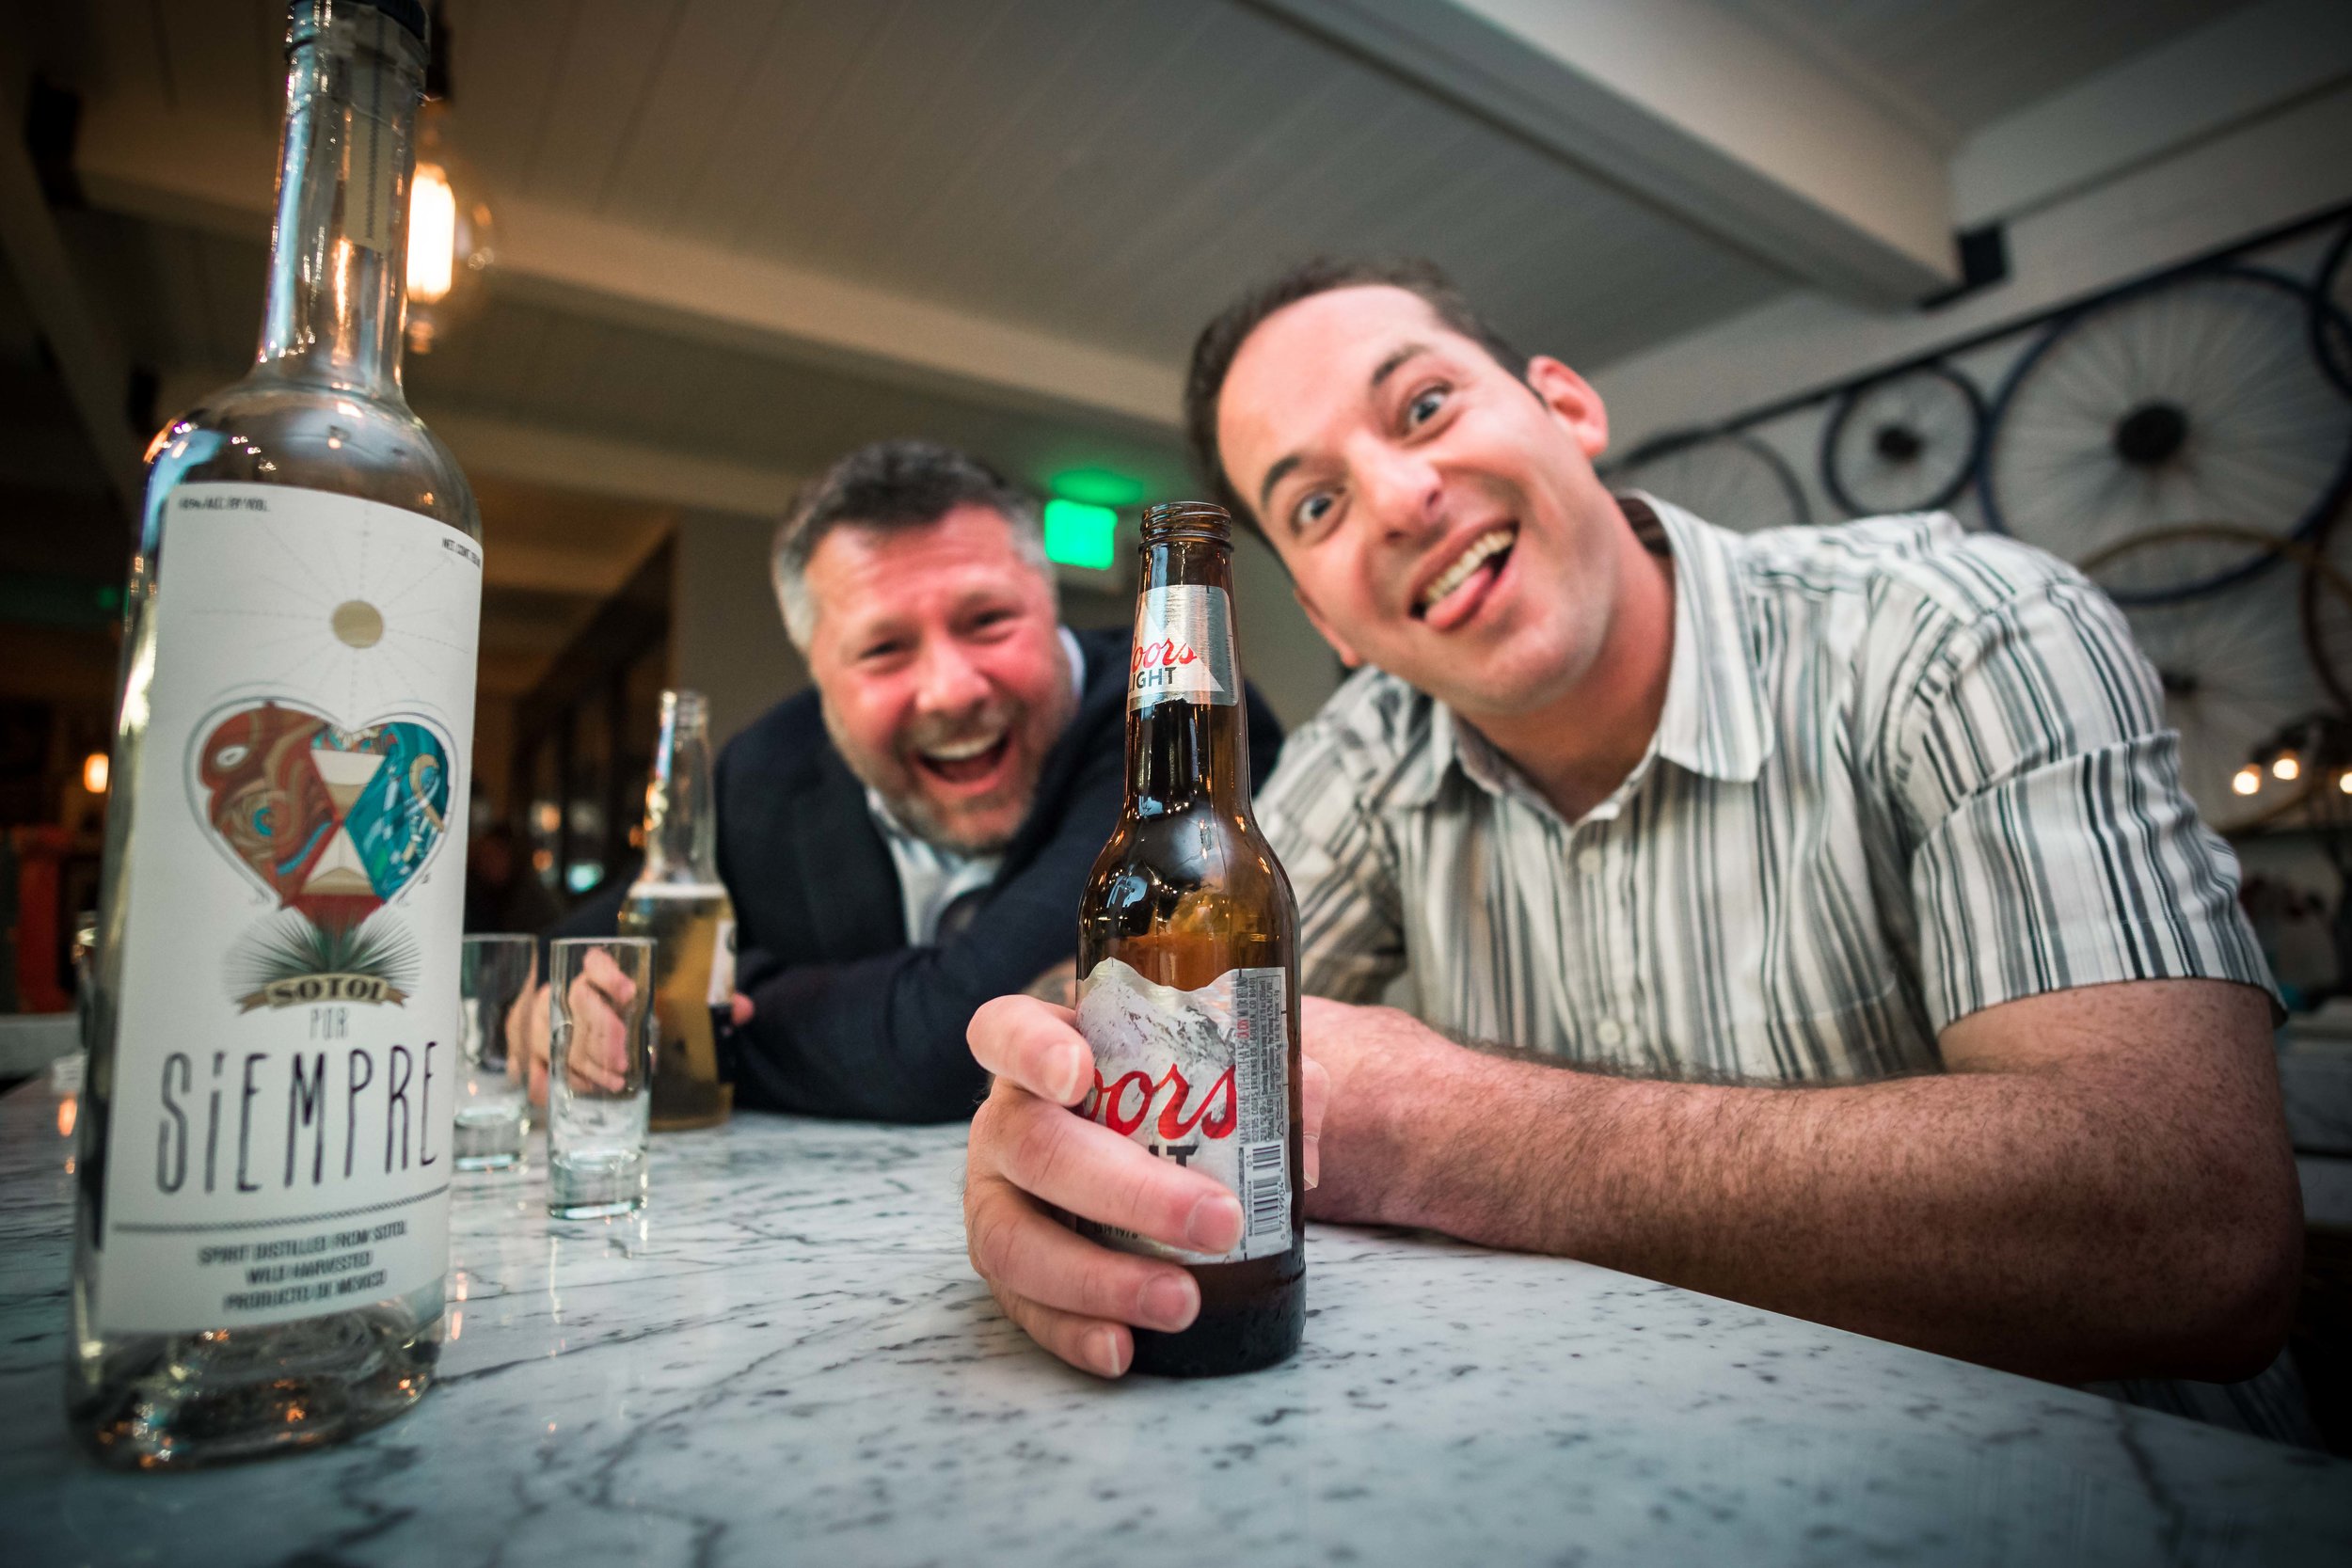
[1715, 721]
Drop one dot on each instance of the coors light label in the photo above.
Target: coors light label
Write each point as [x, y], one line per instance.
[1197, 1077]
[1184, 648]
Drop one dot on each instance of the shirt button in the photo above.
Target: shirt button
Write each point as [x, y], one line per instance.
[1608, 1032]
[1588, 860]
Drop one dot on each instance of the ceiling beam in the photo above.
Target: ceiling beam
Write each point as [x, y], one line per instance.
[90, 358]
[209, 173]
[596, 465]
[2263, 174]
[537, 566]
[582, 463]
[2247, 63]
[1689, 108]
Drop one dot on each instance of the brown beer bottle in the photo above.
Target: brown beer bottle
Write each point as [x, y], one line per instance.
[1187, 950]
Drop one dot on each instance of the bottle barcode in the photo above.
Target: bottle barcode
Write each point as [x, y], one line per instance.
[1265, 1170]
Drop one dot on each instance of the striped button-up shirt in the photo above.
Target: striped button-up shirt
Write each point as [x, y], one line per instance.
[1901, 773]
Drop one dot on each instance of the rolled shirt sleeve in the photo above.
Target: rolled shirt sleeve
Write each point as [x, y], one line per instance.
[2054, 844]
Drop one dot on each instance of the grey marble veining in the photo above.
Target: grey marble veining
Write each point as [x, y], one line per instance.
[788, 1359]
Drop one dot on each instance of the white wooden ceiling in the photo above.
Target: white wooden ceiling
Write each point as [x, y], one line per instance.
[1111, 170]
[192, 301]
[1952, 66]
[1107, 172]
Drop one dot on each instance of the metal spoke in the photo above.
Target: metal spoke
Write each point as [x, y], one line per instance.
[2196, 401]
[1727, 478]
[1934, 405]
[2240, 664]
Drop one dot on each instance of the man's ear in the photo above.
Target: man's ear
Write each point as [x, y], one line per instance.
[1572, 401]
[1339, 645]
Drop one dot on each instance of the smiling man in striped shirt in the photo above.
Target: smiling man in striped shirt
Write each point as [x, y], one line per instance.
[1813, 918]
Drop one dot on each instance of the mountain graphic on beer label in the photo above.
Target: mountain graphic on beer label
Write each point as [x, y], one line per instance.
[1184, 648]
[1164, 1057]
[1192, 1078]
[334, 822]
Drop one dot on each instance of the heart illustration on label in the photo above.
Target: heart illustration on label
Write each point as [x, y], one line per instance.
[333, 821]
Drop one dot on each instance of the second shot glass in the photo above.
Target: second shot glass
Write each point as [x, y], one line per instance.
[494, 978]
[599, 1074]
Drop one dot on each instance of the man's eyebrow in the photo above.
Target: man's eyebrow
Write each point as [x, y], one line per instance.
[1380, 372]
[1396, 356]
[1273, 477]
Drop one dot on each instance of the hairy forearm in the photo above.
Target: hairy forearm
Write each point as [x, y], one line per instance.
[2046, 1221]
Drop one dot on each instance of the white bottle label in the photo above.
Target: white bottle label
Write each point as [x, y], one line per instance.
[287, 1056]
[1183, 649]
[1200, 1077]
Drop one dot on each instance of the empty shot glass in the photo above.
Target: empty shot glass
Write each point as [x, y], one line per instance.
[495, 974]
[599, 1074]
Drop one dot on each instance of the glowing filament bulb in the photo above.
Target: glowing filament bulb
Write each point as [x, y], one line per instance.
[2287, 767]
[2248, 780]
[432, 234]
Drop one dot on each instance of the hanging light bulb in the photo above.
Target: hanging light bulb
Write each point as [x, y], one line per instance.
[94, 770]
[2286, 768]
[450, 228]
[432, 236]
[2248, 780]
[2344, 781]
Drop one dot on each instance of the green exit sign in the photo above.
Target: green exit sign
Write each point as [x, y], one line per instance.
[1079, 533]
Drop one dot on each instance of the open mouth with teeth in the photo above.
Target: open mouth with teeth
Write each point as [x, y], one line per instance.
[1455, 594]
[966, 762]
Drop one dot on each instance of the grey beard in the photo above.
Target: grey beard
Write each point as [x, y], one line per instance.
[913, 812]
[914, 815]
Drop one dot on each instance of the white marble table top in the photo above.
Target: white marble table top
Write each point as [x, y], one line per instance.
[788, 1359]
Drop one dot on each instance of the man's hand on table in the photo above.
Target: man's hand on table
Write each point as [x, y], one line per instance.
[597, 1060]
[1030, 1154]
[1381, 1064]
[527, 1041]
[1057, 985]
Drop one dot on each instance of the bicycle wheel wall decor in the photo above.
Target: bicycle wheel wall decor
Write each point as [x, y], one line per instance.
[1727, 478]
[2326, 605]
[1906, 442]
[2332, 312]
[2193, 400]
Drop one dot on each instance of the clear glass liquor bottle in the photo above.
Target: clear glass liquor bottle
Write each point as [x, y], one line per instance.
[680, 902]
[322, 417]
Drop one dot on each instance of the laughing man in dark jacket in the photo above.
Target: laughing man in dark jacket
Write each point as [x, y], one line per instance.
[911, 837]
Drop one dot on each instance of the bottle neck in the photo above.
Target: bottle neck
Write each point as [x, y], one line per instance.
[339, 248]
[681, 819]
[1188, 749]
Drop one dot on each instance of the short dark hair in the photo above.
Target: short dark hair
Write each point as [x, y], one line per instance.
[1213, 351]
[904, 482]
